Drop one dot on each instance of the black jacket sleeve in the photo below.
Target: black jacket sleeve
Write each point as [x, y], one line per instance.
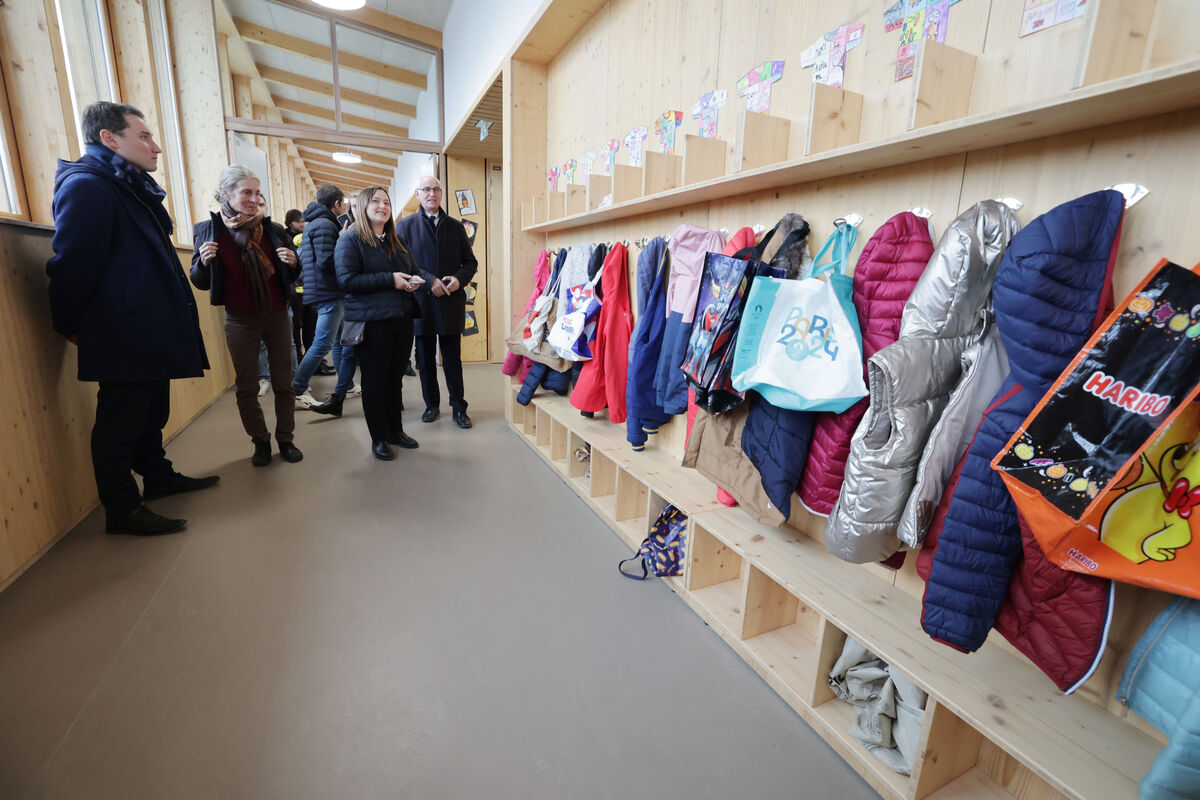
[201, 273]
[351, 277]
[83, 220]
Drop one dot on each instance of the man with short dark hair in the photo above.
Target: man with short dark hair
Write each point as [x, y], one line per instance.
[320, 285]
[441, 249]
[118, 291]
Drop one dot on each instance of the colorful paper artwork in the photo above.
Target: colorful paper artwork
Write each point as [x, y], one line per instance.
[466, 201]
[1041, 14]
[568, 170]
[608, 156]
[470, 324]
[665, 127]
[633, 143]
[586, 161]
[916, 19]
[471, 228]
[756, 84]
[706, 109]
[552, 177]
[827, 55]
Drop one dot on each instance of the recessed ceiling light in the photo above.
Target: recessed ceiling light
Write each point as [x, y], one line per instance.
[347, 158]
[341, 5]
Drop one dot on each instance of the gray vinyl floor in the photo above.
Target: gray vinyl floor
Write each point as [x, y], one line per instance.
[448, 625]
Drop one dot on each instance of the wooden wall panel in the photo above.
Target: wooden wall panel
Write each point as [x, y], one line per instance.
[469, 173]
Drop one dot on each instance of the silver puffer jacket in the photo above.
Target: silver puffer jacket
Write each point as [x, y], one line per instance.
[914, 379]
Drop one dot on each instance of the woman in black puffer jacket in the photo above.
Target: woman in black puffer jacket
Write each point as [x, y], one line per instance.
[378, 275]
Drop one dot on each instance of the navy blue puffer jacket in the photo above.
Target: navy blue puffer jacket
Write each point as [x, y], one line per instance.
[1051, 291]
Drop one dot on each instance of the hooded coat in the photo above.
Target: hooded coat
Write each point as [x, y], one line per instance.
[317, 244]
[884, 278]
[116, 280]
[513, 363]
[602, 381]
[1053, 289]
[913, 379]
[644, 415]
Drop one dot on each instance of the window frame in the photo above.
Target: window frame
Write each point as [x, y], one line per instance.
[163, 66]
[98, 18]
[10, 163]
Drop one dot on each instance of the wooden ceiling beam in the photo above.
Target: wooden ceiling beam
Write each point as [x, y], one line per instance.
[325, 150]
[296, 107]
[349, 174]
[397, 26]
[350, 95]
[321, 52]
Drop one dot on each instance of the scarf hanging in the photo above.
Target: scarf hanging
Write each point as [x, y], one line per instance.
[247, 232]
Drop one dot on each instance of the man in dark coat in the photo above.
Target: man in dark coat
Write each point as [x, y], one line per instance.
[118, 291]
[441, 249]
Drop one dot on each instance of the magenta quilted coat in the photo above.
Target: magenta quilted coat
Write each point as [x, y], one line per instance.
[888, 269]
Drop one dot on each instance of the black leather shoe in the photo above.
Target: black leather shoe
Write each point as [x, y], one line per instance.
[178, 484]
[332, 406]
[325, 369]
[383, 451]
[262, 454]
[142, 522]
[430, 415]
[462, 420]
[402, 439]
[290, 452]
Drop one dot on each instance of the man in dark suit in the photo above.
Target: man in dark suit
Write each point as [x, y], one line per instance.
[118, 291]
[442, 251]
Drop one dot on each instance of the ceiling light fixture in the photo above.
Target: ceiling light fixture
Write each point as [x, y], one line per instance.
[341, 5]
[347, 158]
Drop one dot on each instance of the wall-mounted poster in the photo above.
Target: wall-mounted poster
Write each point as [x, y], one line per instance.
[466, 201]
[471, 228]
[471, 326]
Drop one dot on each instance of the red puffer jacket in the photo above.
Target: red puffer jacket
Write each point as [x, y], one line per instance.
[602, 380]
[888, 269]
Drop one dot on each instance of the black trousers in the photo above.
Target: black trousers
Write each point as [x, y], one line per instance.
[451, 347]
[127, 436]
[382, 357]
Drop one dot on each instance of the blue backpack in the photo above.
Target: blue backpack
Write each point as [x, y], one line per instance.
[664, 549]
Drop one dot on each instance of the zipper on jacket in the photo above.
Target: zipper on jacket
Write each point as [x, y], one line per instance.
[1133, 676]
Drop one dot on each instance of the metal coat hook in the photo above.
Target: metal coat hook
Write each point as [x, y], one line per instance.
[1133, 192]
[853, 220]
[1011, 202]
[921, 211]
[759, 229]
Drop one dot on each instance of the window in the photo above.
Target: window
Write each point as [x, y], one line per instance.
[8, 184]
[170, 137]
[83, 26]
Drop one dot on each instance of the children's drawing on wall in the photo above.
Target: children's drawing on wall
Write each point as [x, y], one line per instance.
[756, 84]
[827, 55]
[1041, 14]
[552, 176]
[608, 156]
[633, 143]
[706, 109]
[466, 201]
[665, 127]
[587, 161]
[916, 19]
[471, 228]
[569, 169]
[470, 325]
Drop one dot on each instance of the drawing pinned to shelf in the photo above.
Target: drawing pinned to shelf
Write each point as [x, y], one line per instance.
[916, 19]
[568, 170]
[706, 109]
[466, 201]
[552, 177]
[827, 55]
[665, 127]
[608, 156]
[755, 85]
[1041, 14]
[633, 143]
[586, 161]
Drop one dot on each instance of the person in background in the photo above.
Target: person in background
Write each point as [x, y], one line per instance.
[240, 259]
[118, 292]
[442, 251]
[264, 368]
[378, 275]
[320, 285]
[294, 223]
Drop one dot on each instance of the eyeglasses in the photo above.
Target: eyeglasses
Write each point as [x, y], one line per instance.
[430, 190]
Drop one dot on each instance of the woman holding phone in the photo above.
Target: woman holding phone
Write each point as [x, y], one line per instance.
[378, 275]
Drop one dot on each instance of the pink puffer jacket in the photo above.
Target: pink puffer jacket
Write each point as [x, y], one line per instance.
[514, 363]
[888, 269]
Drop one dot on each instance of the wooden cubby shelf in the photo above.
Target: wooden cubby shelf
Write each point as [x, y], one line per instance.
[786, 606]
[1144, 94]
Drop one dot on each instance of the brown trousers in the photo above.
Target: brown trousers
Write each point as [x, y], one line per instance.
[243, 331]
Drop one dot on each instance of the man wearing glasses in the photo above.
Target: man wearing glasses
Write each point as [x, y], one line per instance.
[441, 249]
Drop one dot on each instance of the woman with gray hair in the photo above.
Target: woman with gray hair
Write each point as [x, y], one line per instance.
[241, 260]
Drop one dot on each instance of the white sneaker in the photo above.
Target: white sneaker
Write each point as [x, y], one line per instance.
[306, 400]
[355, 390]
[264, 386]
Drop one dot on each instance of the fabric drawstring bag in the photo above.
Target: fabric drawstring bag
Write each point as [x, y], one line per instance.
[572, 332]
[664, 549]
[799, 345]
